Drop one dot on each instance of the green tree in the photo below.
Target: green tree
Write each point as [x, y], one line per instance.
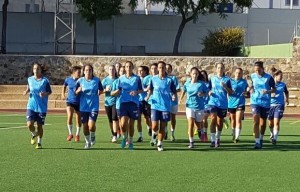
[94, 10]
[4, 24]
[190, 10]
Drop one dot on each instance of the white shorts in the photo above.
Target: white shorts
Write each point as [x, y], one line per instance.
[174, 109]
[198, 115]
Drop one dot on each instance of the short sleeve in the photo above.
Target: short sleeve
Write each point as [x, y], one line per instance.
[272, 83]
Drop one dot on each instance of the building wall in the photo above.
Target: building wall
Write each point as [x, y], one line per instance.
[33, 33]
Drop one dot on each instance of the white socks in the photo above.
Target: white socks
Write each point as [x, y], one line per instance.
[213, 137]
[275, 134]
[237, 133]
[87, 138]
[39, 140]
[70, 129]
[78, 131]
[140, 134]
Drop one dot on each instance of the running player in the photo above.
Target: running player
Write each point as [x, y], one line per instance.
[144, 107]
[236, 102]
[72, 102]
[39, 89]
[110, 102]
[220, 86]
[262, 86]
[160, 88]
[174, 104]
[277, 104]
[89, 87]
[203, 131]
[128, 88]
[195, 89]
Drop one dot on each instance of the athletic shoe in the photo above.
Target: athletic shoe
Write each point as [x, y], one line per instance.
[218, 143]
[130, 146]
[70, 137]
[153, 142]
[205, 139]
[123, 143]
[140, 139]
[274, 141]
[150, 132]
[257, 146]
[261, 143]
[236, 140]
[93, 140]
[191, 145]
[114, 139]
[226, 124]
[212, 144]
[77, 138]
[160, 148]
[87, 146]
[173, 138]
[33, 140]
[166, 136]
[38, 146]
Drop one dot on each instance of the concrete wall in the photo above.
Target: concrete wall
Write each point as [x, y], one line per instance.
[32, 33]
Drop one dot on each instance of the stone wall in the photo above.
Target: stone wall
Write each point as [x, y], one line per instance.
[15, 69]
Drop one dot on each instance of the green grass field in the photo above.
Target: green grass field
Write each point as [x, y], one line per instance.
[65, 166]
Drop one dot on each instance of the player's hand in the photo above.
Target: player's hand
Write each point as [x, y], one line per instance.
[210, 93]
[42, 94]
[264, 92]
[287, 102]
[200, 94]
[108, 88]
[25, 92]
[63, 96]
[79, 90]
[173, 97]
[133, 93]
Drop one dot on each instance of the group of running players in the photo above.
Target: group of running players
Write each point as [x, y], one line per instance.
[153, 93]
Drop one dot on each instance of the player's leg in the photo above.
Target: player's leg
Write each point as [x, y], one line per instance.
[70, 112]
[78, 125]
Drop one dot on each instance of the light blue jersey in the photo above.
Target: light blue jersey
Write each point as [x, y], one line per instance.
[176, 83]
[206, 98]
[218, 98]
[193, 101]
[237, 99]
[89, 98]
[260, 83]
[278, 98]
[161, 89]
[126, 85]
[115, 87]
[70, 82]
[145, 83]
[108, 82]
[35, 102]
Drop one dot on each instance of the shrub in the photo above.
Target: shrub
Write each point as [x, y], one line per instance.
[223, 41]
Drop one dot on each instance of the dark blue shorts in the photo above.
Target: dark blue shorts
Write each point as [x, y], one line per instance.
[35, 116]
[258, 110]
[86, 116]
[221, 113]
[75, 106]
[129, 109]
[160, 115]
[145, 108]
[276, 112]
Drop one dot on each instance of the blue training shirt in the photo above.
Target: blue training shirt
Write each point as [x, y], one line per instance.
[218, 97]
[70, 82]
[145, 83]
[193, 101]
[176, 83]
[206, 98]
[161, 89]
[115, 87]
[260, 83]
[126, 85]
[109, 100]
[89, 98]
[237, 99]
[35, 102]
[278, 98]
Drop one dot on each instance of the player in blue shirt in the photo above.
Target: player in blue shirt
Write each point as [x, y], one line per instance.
[203, 132]
[153, 72]
[261, 88]
[89, 87]
[144, 107]
[236, 102]
[39, 89]
[160, 88]
[72, 102]
[220, 87]
[110, 101]
[129, 86]
[174, 104]
[278, 102]
[196, 90]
